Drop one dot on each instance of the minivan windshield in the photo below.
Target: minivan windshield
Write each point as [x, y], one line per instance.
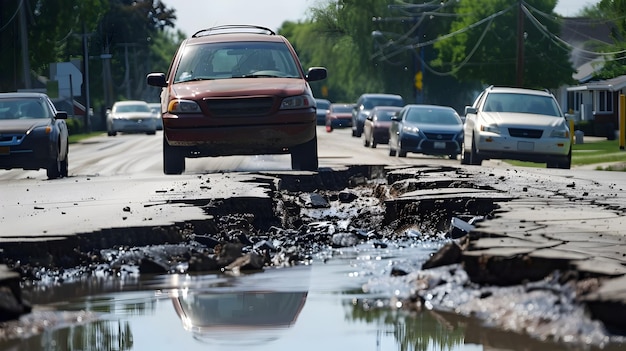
[236, 60]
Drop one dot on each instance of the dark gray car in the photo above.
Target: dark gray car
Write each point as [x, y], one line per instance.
[366, 103]
[33, 134]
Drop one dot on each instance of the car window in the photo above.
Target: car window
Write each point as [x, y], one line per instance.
[322, 104]
[341, 109]
[132, 108]
[22, 108]
[235, 60]
[433, 116]
[370, 104]
[521, 103]
[385, 115]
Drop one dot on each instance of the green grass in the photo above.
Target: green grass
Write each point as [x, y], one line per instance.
[74, 138]
[590, 153]
[597, 152]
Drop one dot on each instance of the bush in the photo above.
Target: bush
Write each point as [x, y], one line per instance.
[586, 126]
[74, 125]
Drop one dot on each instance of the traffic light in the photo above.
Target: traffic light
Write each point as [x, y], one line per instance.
[419, 85]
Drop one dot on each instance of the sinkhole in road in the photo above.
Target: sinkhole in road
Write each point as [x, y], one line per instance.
[354, 240]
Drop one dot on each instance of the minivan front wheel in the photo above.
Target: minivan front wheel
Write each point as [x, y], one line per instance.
[173, 159]
[304, 156]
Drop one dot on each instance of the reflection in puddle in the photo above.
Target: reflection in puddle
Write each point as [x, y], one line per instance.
[219, 315]
[318, 307]
[209, 316]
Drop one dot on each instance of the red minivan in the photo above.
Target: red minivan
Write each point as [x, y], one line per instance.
[237, 90]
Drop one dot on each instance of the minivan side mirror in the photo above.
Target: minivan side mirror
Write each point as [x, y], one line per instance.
[316, 73]
[156, 79]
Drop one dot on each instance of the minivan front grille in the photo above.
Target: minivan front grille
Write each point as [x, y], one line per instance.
[246, 107]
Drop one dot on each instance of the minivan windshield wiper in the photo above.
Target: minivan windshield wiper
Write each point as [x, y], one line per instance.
[193, 79]
[257, 75]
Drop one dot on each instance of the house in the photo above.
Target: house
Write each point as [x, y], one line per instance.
[75, 109]
[594, 102]
[599, 102]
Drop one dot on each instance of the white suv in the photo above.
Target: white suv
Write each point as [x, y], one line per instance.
[516, 124]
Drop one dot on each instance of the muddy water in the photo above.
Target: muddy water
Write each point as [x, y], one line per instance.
[325, 305]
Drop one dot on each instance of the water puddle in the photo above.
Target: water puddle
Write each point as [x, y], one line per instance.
[320, 306]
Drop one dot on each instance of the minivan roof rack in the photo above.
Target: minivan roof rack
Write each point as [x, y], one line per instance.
[233, 28]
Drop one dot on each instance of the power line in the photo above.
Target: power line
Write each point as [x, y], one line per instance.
[17, 10]
[557, 40]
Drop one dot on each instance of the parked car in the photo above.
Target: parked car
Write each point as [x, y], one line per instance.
[366, 103]
[377, 123]
[322, 106]
[131, 116]
[339, 115]
[33, 134]
[237, 90]
[517, 124]
[426, 129]
[155, 108]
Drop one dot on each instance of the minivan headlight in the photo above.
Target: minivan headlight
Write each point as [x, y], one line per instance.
[295, 102]
[183, 106]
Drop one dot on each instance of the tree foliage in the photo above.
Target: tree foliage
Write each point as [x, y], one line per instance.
[615, 12]
[133, 32]
[339, 37]
[484, 45]
[456, 46]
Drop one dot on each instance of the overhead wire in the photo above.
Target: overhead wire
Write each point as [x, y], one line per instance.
[558, 40]
[488, 19]
[462, 63]
[13, 16]
[563, 44]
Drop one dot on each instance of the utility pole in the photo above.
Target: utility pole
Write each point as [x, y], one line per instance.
[24, 46]
[520, 45]
[86, 78]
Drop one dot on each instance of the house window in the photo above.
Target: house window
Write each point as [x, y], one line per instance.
[604, 104]
[574, 99]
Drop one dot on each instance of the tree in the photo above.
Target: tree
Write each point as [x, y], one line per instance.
[133, 33]
[339, 37]
[615, 12]
[49, 38]
[128, 31]
[482, 45]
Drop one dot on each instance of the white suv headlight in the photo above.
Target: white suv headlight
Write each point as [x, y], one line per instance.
[491, 128]
[560, 133]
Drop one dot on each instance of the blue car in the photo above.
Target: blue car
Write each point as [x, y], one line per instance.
[426, 129]
[322, 106]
